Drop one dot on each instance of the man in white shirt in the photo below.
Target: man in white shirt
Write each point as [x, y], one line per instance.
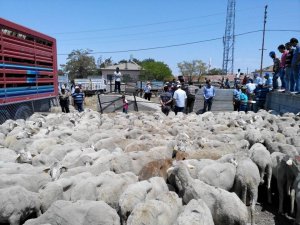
[117, 75]
[180, 99]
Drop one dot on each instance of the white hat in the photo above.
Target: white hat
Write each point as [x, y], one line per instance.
[63, 87]
[76, 87]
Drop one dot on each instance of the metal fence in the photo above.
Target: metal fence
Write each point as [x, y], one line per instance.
[23, 110]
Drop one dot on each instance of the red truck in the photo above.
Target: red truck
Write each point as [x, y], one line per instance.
[28, 71]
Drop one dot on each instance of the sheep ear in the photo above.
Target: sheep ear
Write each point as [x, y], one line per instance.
[46, 170]
[64, 169]
[289, 162]
[170, 170]
[18, 157]
[190, 166]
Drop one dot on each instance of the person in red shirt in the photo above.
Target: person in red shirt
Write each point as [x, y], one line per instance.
[125, 104]
[283, 78]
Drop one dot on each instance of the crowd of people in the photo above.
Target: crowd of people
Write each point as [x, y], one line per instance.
[77, 98]
[287, 68]
[180, 96]
[250, 93]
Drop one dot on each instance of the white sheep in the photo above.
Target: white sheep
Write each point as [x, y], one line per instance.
[221, 203]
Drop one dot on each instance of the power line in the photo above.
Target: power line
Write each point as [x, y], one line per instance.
[283, 30]
[176, 45]
[142, 33]
[139, 25]
[149, 24]
[166, 46]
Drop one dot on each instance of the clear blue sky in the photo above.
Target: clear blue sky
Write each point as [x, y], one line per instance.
[115, 25]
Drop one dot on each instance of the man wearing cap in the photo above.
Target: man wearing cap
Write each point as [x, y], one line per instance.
[78, 98]
[179, 99]
[276, 69]
[64, 99]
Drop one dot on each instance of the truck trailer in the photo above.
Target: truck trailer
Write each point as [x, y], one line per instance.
[28, 71]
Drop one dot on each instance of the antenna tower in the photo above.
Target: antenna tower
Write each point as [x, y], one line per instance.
[228, 39]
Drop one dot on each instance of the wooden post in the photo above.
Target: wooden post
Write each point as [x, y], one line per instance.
[100, 106]
[135, 103]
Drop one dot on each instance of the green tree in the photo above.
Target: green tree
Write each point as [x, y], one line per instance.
[215, 71]
[80, 64]
[192, 69]
[154, 70]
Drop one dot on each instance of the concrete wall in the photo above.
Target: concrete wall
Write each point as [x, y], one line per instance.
[283, 102]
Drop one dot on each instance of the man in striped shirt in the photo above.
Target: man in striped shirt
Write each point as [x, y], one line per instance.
[78, 98]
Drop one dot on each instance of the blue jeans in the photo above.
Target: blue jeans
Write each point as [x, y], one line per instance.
[79, 106]
[288, 79]
[178, 109]
[207, 104]
[282, 78]
[275, 80]
[243, 107]
[296, 73]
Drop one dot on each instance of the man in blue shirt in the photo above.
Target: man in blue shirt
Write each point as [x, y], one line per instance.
[236, 98]
[78, 98]
[268, 82]
[296, 63]
[260, 97]
[243, 100]
[208, 94]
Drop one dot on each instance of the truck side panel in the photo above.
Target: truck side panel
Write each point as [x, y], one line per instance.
[28, 67]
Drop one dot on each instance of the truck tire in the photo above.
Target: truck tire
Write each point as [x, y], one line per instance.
[23, 112]
[4, 115]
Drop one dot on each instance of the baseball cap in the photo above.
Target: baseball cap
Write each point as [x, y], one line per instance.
[272, 54]
[63, 87]
[76, 87]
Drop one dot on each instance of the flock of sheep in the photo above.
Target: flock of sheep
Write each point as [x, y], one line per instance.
[146, 168]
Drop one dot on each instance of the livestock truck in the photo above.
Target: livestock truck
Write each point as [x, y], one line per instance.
[28, 71]
[91, 86]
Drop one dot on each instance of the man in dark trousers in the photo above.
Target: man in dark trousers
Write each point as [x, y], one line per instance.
[191, 90]
[78, 98]
[276, 69]
[117, 75]
[208, 94]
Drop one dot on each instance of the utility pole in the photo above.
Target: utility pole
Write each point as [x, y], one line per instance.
[263, 41]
